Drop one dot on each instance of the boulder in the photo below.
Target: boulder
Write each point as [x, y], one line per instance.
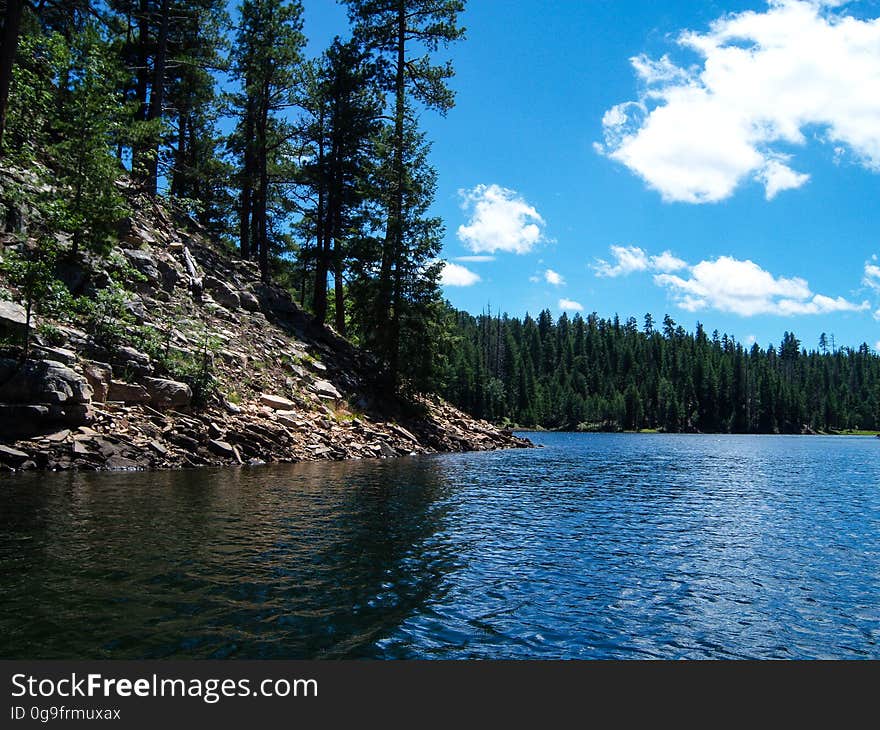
[276, 402]
[41, 381]
[98, 375]
[12, 457]
[249, 301]
[221, 448]
[169, 275]
[134, 360]
[144, 263]
[13, 318]
[24, 420]
[59, 354]
[165, 393]
[224, 294]
[325, 389]
[127, 392]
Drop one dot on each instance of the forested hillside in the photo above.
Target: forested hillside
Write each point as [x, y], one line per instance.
[598, 374]
[316, 169]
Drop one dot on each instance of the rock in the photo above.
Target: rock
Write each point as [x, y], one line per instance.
[248, 301]
[13, 318]
[98, 375]
[276, 402]
[169, 275]
[58, 354]
[386, 451]
[158, 448]
[41, 381]
[317, 365]
[221, 448]
[401, 431]
[165, 393]
[325, 389]
[222, 292]
[130, 355]
[59, 436]
[127, 392]
[144, 263]
[12, 457]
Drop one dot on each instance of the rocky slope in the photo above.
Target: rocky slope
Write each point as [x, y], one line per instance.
[270, 385]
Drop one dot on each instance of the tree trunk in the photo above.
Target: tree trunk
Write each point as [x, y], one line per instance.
[178, 175]
[247, 180]
[393, 338]
[262, 198]
[157, 97]
[319, 296]
[138, 163]
[11, 29]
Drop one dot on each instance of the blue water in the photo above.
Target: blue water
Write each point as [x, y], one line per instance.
[595, 546]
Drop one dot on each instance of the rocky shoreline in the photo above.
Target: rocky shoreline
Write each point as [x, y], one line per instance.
[281, 389]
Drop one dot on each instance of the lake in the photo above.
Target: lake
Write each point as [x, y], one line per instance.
[595, 546]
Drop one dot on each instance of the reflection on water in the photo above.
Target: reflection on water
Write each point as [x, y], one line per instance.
[595, 546]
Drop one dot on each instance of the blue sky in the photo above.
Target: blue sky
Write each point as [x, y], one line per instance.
[607, 161]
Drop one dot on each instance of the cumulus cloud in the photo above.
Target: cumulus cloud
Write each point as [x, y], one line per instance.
[570, 305]
[872, 276]
[740, 287]
[551, 277]
[500, 220]
[455, 275]
[630, 259]
[763, 78]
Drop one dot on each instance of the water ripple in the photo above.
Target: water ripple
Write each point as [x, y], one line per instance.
[595, 546]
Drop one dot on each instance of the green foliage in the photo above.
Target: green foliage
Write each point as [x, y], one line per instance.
[106, 317]
[50, 334]
[196, 369]
[31, 273]
[87, 128]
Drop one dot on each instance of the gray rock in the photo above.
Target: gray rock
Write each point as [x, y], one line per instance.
[249, 301]
[169, 275]
[144, 263]
[127, 392]
[325, 389]
[276, 402]
[59, 354]
[41, 381]
[167, 393]
[135, 361]
[221, 448]
[12, 457]
[224, 294]
[24, 420]
[13, 318]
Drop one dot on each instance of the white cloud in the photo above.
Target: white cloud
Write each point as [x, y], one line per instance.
[500, 220]
[744, 288]
[570, 305]
[551, 277]
[629, 259]
[697, 133]
[872, 276]
[877, 346]
[455, 275]
[475, 259]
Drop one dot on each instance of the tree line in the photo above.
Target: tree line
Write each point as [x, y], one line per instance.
[591, 373]
[316, 168]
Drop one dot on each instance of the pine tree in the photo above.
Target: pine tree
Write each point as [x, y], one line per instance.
[266, 61]
[403, 34]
